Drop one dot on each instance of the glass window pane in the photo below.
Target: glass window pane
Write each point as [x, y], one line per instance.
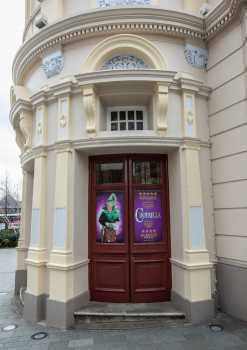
[131, 115]
[131, 126]
[123, 126]
[139, 126]
[109, 173]
[113, 116]
[139, 115]
[114, 126]
[122, 115]
[147, 172]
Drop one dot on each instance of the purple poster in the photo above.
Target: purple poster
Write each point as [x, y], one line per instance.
[109, 217]
[148, 216]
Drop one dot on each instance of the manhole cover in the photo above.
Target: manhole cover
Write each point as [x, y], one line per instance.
[39, 336]
[9, 328]
[216, 328]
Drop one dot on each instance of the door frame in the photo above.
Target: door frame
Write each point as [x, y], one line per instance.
[129, 247]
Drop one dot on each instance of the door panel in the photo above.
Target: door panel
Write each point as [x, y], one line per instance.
[149, 229]
[129, 229]
[110, 279]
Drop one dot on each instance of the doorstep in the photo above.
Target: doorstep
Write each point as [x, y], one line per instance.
[111, 312]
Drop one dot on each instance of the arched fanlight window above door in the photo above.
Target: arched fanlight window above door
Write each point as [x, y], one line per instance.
[109, 3]
[124, 62]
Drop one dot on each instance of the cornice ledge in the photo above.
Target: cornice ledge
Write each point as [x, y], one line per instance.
[186, 266]
[221, 16]
[29, 22]
[118, 20]
[122, 75]
[74, 84]
[110, 142]
[142, 20]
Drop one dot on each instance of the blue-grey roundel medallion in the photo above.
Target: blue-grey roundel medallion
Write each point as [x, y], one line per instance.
[196, 56]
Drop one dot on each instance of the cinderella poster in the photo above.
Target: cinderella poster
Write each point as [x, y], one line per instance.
[109, 217]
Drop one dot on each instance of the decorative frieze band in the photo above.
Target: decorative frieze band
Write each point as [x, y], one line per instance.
[172, 23]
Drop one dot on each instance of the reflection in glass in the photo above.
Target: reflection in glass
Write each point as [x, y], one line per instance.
[109, 173]
[147, 172]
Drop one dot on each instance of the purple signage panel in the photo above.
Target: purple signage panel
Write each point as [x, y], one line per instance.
[148, 216]
[110, 217]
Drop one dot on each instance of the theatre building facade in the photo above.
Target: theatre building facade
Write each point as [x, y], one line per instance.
[131, 120]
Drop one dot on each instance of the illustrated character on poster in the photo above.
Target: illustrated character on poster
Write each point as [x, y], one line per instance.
[108, 218]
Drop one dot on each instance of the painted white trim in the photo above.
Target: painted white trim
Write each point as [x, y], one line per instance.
[127, 109]
[74, 266]
[185, 266]
[232, 262]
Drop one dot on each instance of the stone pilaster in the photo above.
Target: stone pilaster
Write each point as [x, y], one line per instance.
[37, 254]
[66, 275]
[192, 291]
[24, 239]
[41, 127]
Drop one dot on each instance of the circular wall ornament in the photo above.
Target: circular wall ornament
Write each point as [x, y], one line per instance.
[196, 56]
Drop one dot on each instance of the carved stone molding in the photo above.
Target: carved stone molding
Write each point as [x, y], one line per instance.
[90, 109]
[19, 138]
[109, 21]
[53, 63]
[146, 20]
[26, 125]
[108, 3]
[162, 107]
[63, 127]
[124, 62]
[196, 56]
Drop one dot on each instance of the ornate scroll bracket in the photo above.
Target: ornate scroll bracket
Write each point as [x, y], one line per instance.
[90, 108]
[162, 107]
[26, 126]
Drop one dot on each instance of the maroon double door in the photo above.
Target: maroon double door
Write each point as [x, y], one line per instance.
[129, 240]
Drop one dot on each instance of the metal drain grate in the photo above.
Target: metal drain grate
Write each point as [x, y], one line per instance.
[39, 336]
[216, 328]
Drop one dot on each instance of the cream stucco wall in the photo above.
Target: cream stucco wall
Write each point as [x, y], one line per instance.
[228, 120]
[196, 116]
